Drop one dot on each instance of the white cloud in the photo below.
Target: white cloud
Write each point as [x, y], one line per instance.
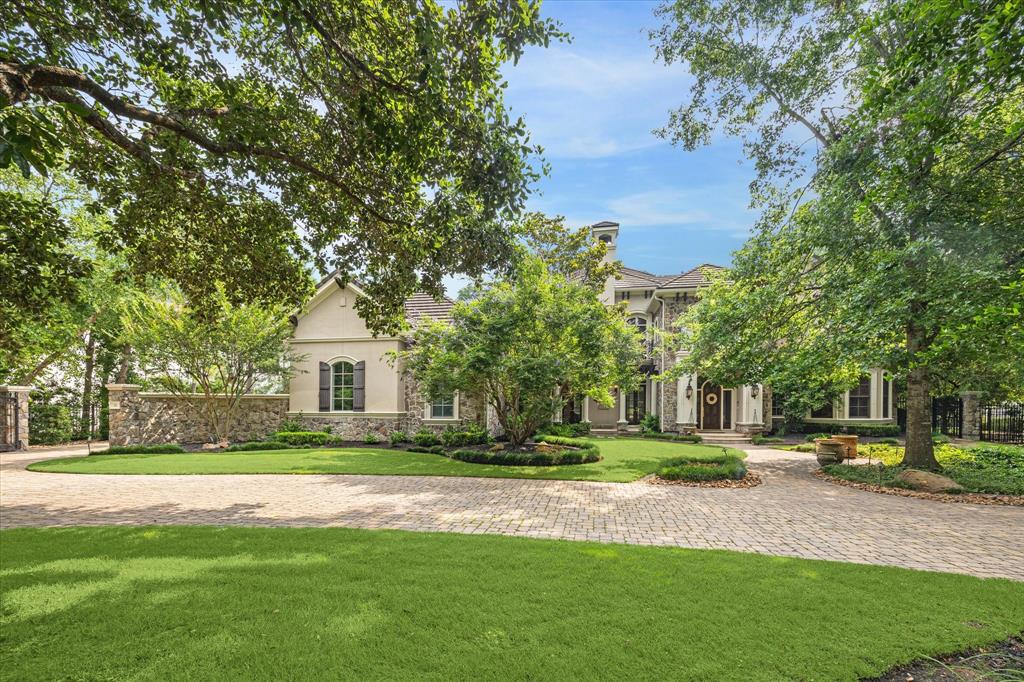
[659, 207]
[581, 105]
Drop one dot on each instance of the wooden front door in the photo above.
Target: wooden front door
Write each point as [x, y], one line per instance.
[710, 406]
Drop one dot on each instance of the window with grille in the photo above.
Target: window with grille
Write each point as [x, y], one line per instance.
[860, 399]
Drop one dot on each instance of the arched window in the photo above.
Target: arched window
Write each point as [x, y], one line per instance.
[343, 385]
[640, 323]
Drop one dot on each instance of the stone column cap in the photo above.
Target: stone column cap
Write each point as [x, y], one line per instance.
[123, 387]
[15, 389]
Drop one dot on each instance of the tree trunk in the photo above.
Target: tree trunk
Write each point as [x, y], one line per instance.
[919, 453]
[126, 364]
[85, 425]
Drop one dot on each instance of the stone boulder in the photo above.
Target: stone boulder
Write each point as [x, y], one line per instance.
[928, 482]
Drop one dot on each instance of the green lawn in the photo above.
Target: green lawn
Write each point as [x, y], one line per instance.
[624, 459]
[181, 603]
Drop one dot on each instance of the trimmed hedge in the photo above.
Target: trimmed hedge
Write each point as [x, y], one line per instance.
[258, 445]
[678, 437]
[304, 437]
[398, 437]
[535, 459]
[432, 450]
[711, 467]
[828, 428]
[470, 435]
[160, 449]
[426, 438]
[758, 439]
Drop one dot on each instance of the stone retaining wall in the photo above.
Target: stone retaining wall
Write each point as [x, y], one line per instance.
[147, 418]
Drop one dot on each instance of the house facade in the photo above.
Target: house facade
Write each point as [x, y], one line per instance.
[347, 383]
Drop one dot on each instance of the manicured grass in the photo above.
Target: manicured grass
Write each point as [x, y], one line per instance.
[710, 467]
[623, 459]
[177, 603]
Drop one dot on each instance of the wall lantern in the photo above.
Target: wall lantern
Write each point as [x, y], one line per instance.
[754, 390]
[689, 391]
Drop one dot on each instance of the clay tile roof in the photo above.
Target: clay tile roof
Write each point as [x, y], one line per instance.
[691, 278]
[635, 279]
[421, 305]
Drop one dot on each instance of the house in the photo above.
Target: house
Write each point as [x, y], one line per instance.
[347, 383]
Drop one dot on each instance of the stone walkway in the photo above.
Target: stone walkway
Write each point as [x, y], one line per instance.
[791, 514]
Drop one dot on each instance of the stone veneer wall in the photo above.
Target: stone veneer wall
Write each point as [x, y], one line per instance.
[673, 309]
[350, 426]
[147, 418]
[8, 440]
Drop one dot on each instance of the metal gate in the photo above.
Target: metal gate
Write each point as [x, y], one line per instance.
[948, 416]
[10, 424]
[1002, 422]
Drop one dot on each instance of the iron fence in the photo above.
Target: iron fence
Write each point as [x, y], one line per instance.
[1002, 422]
[10, 422]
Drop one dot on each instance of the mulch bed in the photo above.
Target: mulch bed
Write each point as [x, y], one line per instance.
[976, 664]
[962, 498]
[748, 481]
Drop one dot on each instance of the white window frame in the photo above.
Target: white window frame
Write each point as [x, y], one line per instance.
[428, 410]
[332, 362]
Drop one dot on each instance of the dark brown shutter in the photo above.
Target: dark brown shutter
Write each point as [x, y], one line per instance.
[325, 387]
[359, 387]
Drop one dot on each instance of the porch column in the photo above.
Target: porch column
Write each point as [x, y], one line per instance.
[686, 408]
[622, 410]
[876, 393]
[750, 419]
[556, 418]
[586, 408]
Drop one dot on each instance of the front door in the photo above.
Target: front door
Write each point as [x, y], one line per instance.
[636, 405]
[710, 406]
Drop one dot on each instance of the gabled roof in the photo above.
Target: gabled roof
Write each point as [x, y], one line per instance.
[420, 305]
[640, 279]
[417, 306]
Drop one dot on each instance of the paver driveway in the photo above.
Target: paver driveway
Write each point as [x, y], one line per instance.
[791, 514]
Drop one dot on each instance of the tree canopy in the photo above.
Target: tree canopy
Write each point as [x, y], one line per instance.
[235, 141]
[886, 138]
[526, 345]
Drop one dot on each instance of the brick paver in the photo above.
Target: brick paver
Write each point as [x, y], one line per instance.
[791, 514]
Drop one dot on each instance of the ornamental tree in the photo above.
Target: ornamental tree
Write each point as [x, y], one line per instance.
[886, 136]
[216, 133]
[210, 356]
[526, 344]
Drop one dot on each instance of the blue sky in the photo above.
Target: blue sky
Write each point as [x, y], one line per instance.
[593, 105]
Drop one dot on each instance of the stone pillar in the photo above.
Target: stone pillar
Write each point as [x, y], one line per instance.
[15, 432]
[120, 400]
[686, 408]
[971, 414]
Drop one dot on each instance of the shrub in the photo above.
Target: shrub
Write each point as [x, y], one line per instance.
[577, 430]
[49, 424]
[688, 438]
[291, 425]
[258, 445]
[304, 437]
[426, 438]
[506, 458]
[940, 439]
[473, 434]
[432, 450]
[328, 429]
[711, 467]
[650, 424]
[398, 437]
[758, 439]
[828, 428]
[371, 439]
[889, 441]
[158, 449]
[811, 437]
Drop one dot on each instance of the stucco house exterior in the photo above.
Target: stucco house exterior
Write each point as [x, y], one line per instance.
[347, 383]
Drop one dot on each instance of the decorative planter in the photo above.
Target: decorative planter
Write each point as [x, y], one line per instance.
[829, 451]
[849, 445]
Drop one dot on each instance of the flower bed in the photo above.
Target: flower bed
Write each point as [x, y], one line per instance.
[714, 466]
[548, 451]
